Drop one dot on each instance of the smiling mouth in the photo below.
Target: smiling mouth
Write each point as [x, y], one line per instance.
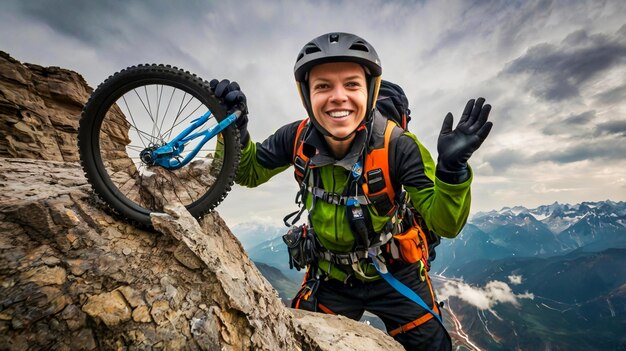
[339, 114]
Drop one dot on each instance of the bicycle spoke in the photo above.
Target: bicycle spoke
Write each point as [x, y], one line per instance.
[154, 121]
[194, 111]
[160, 127]
[157, 126]
[180, 111]
[177, 115]
[145, 89]
[165, 181]
[144, 133]
[144, 106]
[134, 124]
[167, 109]
[169, 131]
[135, 148]
[205, 126]
[158, 107]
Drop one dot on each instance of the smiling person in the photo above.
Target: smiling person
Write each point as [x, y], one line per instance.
[338, 93]
[374, 196]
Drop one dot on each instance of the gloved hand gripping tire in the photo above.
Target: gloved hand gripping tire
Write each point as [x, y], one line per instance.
[456, 146]
[231, 97]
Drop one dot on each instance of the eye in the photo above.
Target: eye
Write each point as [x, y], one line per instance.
[321, 86]
[353, 84]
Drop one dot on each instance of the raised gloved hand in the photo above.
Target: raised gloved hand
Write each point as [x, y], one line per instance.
[231, 97]
[456, 146]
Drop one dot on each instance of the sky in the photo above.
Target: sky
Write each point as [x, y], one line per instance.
[554, 72]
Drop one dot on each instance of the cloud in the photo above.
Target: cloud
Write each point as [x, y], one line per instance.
[613, 127]
[442, 54]
[612, 96]
[610, 148]
[515, 22]
[515, 279]
[541, 188]
[556, 72]
[572, 122]
[501, 160]
[580, 118]
[568, 141]
[493, 293]
[102, 22]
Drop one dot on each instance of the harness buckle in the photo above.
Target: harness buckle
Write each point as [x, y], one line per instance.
[354, 257]
[332, 198]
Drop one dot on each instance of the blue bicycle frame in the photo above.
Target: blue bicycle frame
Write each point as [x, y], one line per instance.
[167, 155]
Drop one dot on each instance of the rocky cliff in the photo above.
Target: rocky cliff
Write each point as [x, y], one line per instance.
[39, 109]
[74, 277]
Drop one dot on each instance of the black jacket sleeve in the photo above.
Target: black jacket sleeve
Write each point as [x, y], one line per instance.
[277, 150]
[406, 164]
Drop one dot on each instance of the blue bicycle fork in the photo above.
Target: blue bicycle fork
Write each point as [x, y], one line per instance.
[167, 156]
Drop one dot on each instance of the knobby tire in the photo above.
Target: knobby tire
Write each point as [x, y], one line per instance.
[115, 126]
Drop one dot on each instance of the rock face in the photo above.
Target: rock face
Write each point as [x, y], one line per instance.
[74, 277]
[40, 109]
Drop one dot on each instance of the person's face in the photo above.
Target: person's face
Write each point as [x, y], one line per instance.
[338, 96]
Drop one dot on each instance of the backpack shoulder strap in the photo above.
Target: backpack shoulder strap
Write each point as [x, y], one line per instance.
[299, 158]
[378, 186]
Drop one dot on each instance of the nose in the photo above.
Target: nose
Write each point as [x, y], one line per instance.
[338, 94]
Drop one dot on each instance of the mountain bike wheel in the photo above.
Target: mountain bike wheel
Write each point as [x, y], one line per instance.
[143, 107]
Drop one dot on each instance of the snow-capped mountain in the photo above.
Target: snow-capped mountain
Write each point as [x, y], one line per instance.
[557, 217]
[543, 231]
[251, 234]
[273, 252]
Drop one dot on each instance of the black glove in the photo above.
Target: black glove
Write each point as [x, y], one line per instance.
[456, 146]
[231, 97]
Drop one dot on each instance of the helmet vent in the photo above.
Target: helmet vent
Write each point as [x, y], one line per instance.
[311, 49]
[359, 45]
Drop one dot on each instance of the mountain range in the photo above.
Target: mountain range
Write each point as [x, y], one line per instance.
[252, 233]
[544, 231]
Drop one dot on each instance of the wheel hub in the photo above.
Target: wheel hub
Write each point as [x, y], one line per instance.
[147, 155]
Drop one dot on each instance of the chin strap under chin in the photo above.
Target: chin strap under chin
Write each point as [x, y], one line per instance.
[344, 138]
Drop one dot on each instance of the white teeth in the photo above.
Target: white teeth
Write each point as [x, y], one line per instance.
[338, 114]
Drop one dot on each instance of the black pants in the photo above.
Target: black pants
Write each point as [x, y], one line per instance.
[394, 309]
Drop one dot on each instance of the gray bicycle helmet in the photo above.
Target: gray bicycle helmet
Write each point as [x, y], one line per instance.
[338, 47]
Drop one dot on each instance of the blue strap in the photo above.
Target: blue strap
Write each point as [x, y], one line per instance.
[403, 289]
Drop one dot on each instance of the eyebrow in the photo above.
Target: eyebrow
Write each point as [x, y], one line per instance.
[354, 77]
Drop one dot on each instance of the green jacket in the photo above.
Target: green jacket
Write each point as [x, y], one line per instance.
[443, 205]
